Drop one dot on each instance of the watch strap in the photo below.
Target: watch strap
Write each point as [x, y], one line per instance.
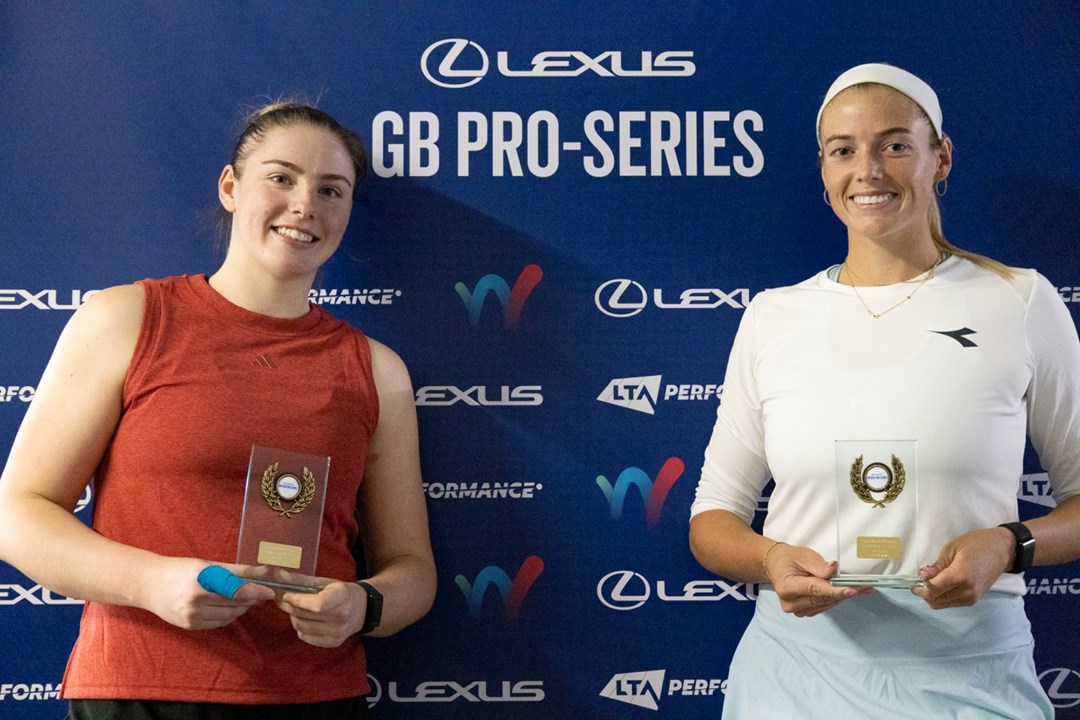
[373, 615]
[1024, 549]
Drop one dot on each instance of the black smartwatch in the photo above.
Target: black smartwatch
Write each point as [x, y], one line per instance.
[374, 608]
[1024, 550]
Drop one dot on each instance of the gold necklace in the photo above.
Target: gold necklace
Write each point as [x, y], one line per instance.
[929, 274]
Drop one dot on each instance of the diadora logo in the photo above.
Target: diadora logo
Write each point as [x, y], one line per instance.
[44, 299]
[22, 393]
[960, 335]
[1062, 686]
[513, 593]
[460, 63]
[629, 590]
[353, 296]
[1035, 488]
[12, 594]
[642, 393]
[511, 301]
[654, 493]
[644, 689]
[29, 691]
[478, 395]
[621, 298]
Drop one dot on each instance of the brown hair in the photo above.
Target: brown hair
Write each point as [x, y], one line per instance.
[284, 114]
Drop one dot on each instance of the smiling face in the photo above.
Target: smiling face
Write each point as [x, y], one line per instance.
[290, 199]
[880, 160]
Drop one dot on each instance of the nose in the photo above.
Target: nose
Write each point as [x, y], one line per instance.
[869, 166]
[301, 202]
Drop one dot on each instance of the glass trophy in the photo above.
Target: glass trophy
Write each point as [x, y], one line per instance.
[877, 503]
[282, 519]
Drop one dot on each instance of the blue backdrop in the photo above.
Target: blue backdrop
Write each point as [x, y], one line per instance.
[570, 205]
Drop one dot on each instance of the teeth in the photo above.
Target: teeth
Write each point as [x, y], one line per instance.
[870, 199]
[295, 234]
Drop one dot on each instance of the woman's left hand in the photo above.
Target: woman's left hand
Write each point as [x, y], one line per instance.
[966, 568]
[329, 618]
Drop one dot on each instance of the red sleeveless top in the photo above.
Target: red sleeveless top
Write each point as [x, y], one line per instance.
[207, 381]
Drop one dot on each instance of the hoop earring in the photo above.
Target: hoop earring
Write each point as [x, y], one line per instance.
[941, 187]
[825, 193]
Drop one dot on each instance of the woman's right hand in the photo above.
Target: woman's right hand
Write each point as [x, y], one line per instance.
[177, 598]
[801, 579]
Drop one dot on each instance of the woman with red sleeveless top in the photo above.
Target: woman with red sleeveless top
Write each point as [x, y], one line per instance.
[158, 391]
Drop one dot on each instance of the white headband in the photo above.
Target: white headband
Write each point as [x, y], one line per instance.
[890, 76]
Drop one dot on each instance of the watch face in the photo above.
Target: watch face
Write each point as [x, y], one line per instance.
[1028, 548]
[1024, 552]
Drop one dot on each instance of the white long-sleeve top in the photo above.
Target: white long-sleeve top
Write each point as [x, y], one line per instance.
[810, 366]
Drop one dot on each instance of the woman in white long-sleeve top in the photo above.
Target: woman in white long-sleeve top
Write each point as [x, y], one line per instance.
[907, 338]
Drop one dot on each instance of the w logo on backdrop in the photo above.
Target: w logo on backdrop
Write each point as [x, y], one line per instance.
[512, 592]
[653, 492]
[511, 300]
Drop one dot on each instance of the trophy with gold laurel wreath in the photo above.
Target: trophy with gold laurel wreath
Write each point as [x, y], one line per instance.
[877, 502]
[282, 519]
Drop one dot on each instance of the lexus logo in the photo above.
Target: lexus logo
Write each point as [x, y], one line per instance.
[621, 298]
[453, 70]
[1062, 686]
[459, 63]
[623, 590]
[375, 695]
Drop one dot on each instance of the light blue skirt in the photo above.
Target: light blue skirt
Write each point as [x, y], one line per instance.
[887, 655]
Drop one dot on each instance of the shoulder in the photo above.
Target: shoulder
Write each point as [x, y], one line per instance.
[1046, 310]
[111, 314]
[1032, 290]
[785, 298]
[100, 338]
[1035, 288]
[388, 369]
[1018, 282]
[1033, 297]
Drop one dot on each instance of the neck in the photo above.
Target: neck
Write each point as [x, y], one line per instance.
[869, 263]
[275, 297]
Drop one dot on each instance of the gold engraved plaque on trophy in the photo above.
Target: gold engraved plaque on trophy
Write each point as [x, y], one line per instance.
[282, 519]
[877, 503]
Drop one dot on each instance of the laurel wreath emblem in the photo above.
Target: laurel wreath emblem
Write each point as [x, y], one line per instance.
[892, 489]
[273, 499]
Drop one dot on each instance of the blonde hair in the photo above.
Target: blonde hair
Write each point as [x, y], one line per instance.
[938, 236]
[986, 263]
[934, 212]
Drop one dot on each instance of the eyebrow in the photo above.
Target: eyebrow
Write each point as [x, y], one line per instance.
[297, 169]
[898, 130]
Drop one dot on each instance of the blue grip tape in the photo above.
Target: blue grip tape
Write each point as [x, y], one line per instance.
[218, 580]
